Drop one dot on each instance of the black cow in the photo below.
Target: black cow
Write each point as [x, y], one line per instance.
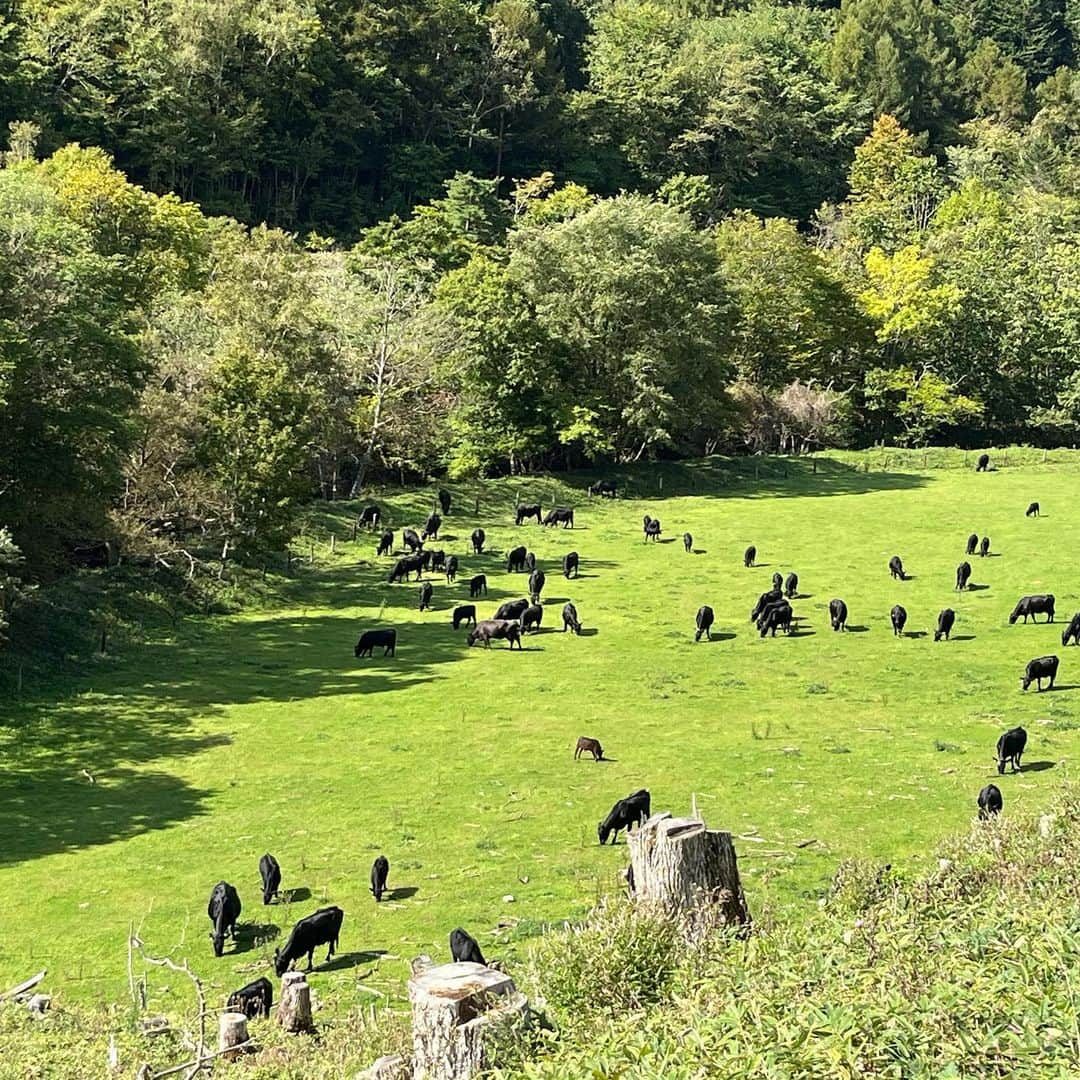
[523, 513]
[1072, 631]
[224, 910]
[791, 585]
[369, 516]
[838, 614]
[990, 802]
[478, 585]
[536, 585]
[560, 515]
[451, 568]
[963, 575]
[775, 617]
[464, 950]
[403, 567]
[972, 544]
[603, 487]
[322, 927]
[687, 542]
[1032, 510]
[531, 618]
[438, 559]
[777, 582]
[386, 544]
[899, 620]
[425, 558]
[511, 609]
[652, 529]
[432, 527]
[530, 561]
[633, 810]
[703, 621]
[896, 568]
[1010, 747]
[426, 592]
[983, 463]
[445, 499]
[270, 873]
[515, 561]
[1042, 667]
[252, 1000]
[570, 564]
[984, 547]
[763, 601]
[478, 538]
[945, 621]
[1033, 605]
[370, 638]
[749, 555]
[570, 618]
[495, 630]
[380, 869]
[410, 540]
[466, 613]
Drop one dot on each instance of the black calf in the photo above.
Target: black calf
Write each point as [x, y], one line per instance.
[899, 618]
[749, 555]
[370, 638]
[380, 870]
[466, 613]
[464, 949]
[570, 564]
[478, 538]
[426, 592]
[896, 568]
[990, 802]
[687, 542]
[704, 620]
[477, 585]
[838, 614]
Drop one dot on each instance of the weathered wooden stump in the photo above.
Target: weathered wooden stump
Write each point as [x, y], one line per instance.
[294, 1007]
[388, 1067]
[232, 1034]
[457, 1009]
[688, 870]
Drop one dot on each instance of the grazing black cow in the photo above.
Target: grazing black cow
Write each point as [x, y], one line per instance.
[478, 538]
[703, 621]
[791, 585]
[445, 499]
[438, 559]
[633, 810]
[777, 582]
[972, 544]
[403, 567]
[478, 585]
[687, 542]
[252, 1000]
[990, 802]
[963, 575]
[570, 564]
[530, 562]
[1042, 667]
[270, 873]
[984, 547]
[466, 613]
[322, 927]
[425, 558]
[1033, 605]
[1010, 747]
[899, 620]
[763, 601]
[945, 621]
[603, 487]
[523, 513]
[380, 870]
[386, 544]
[1032, 510]
[570, 618]
[511, 609]
[531, 618]
[495, 630]
[1072, 631]
[451, 569]
[515, 561]
[224, 910]
[536, 585]
[370, 638]
[464, 950]
[432, 527]
[749, 555]
[983, 463]
[369, 516]
[560, 515]
[838, 614]
[652, 529]
[585, 745]
[410, 540]
[426, 592]
[775, 617]
[896, 568]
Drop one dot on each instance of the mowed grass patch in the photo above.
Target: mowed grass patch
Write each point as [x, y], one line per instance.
[260, 732]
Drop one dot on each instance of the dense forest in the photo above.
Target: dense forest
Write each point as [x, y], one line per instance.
[255, 251]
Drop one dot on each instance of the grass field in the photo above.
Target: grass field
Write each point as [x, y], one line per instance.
[235, 735]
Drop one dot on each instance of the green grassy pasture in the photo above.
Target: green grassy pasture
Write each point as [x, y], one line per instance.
[235, 735]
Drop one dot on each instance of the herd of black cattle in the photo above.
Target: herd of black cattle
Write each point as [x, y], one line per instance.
[771, 612]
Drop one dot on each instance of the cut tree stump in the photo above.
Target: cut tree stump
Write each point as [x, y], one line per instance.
[680, 865]
[232, 1033]
[294, 1007]
[388, 1067]
[457, 1010]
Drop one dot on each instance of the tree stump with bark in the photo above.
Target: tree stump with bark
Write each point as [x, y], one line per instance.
[458, 1010]
[232, 1034]
[294, 1006]
[688, 870]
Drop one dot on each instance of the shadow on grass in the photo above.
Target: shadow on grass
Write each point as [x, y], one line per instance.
[251, 935]
[344, 961]
[962, 637]
[973, 587]
[720, 635]
[1037, 766]
[915, 633]
[294, 896]
[402, 893]
[856, 629]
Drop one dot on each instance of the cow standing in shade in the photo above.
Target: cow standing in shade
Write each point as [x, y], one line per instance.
[478, 538]
[445, 499]
[466, 613]
[570, 564]
[369, 517]
[524, 512]
[371, 638]
[411, 541]
[603, 487]
[451, 569]
[515, 560]
[432, 527]
[478, 585]
[386, 543]
[426, 592]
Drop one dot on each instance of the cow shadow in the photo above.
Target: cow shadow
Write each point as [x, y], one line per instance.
[962, 637]
[344, 961]
[251, 935]
[915, 633]
[856, 629]
[403, 892]
[973, 587]
[294, 896]
[802, 633]
[667, 540]
[1061, 686]
[700, 551]
[1037, 766]
[759, 566]
[719, 636]
[588, 631]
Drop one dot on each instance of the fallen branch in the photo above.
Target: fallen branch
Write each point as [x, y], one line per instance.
[30, 983]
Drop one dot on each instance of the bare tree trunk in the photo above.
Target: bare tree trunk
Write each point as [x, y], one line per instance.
[294, 1008]
[232, 1033]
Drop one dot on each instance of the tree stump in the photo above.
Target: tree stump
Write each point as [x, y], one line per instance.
[294, 1006]
[232, 1033]
[457, 1011]
[688, 870]
[388, 1067]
